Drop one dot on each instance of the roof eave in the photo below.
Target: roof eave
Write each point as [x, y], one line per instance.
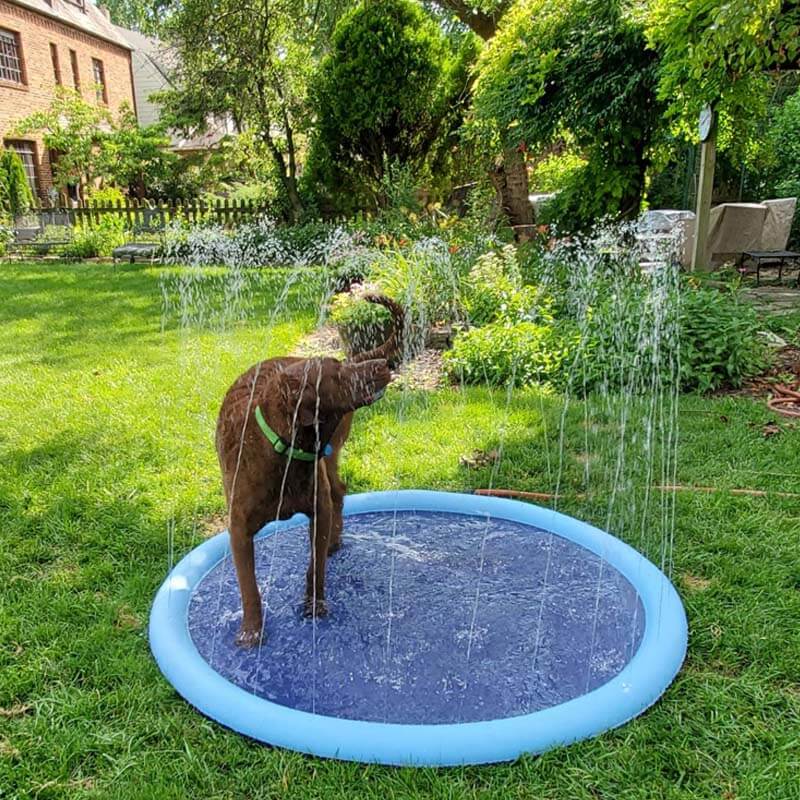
[68, 24]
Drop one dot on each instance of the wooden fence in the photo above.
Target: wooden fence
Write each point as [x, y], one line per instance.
[144, 215]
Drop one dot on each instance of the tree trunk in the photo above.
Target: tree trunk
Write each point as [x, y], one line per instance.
[288, 180]
[295, 203]
[510, 179]
[631, 202]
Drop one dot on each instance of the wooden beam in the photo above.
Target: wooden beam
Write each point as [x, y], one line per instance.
[701, 258]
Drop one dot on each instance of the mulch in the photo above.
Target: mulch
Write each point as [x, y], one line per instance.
[784, 371]
[425, 372]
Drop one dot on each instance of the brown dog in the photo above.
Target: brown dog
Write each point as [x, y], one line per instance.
[279, 435]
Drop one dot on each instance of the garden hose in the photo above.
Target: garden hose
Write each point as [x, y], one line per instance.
[786, 400]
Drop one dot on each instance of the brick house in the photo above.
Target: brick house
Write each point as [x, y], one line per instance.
[50, 43]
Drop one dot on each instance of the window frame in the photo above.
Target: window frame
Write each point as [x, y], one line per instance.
[20, 57]
[27, 147]
[76, 73]
[56, 60]
[101, 89]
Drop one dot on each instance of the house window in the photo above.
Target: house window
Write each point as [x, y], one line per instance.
[10, 57]
[80, 3]
[99, 81]
[27, 152]
[56, 64]
[76, 77]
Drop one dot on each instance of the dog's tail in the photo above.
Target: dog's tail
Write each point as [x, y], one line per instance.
[392, 348]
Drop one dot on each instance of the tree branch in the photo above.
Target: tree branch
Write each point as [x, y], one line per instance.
[485, 25]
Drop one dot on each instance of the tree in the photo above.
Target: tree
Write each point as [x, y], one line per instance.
[90, 145]
[73, 129]
[381, 96]
[718, 52]
[252, 59]
[579, 66]
[480, 17]
[142, 15]
[136, 157]
[15, 192]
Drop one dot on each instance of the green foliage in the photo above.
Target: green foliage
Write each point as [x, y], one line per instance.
[15, 191]
[719, 340]
[601, 189]
[500, 353]
[362, 325]
[137, 156]
[73, 128]
[784, 138]
[493, 292]
[106, 196]
[96, 239]
[347, 309]
[252, 60]
[92, 145]
[579, 67]
[142, 15]
[783, 174]
[611, 329]
[557, 171]
[718, 51]
[380, 98]
[424, 278]
[6, 235]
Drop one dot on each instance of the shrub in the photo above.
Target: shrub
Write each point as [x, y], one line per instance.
[699, 338]
[6, 235]
[500, 354]
[380, 97]
[556, 171]
[618, 330]
[107, 196]
[719, 342]
[423, 277]
[494, 292]
[98, 239]
[15, 192]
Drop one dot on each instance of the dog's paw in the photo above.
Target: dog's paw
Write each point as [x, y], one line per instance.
[248, 636]
[334, 547]
[315, 608]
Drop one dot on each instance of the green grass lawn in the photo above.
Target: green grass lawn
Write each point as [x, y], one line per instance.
[107, 471]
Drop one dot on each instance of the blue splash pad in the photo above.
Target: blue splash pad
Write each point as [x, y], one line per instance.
[412, 667]
[419, 632]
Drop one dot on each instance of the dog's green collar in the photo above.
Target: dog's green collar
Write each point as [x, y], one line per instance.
[284, 448]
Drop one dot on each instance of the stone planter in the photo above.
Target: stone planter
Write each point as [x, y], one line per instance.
[362, 337]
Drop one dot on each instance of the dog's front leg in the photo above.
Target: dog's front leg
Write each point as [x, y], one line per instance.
[244, 561]
[319, 534]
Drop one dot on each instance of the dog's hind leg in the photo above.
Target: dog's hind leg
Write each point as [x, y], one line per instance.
[338, 491]
[338, 486]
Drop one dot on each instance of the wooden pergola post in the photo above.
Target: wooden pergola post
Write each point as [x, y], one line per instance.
[708, 161]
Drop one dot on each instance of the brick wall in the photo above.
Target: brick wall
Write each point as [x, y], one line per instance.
[36, 33]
